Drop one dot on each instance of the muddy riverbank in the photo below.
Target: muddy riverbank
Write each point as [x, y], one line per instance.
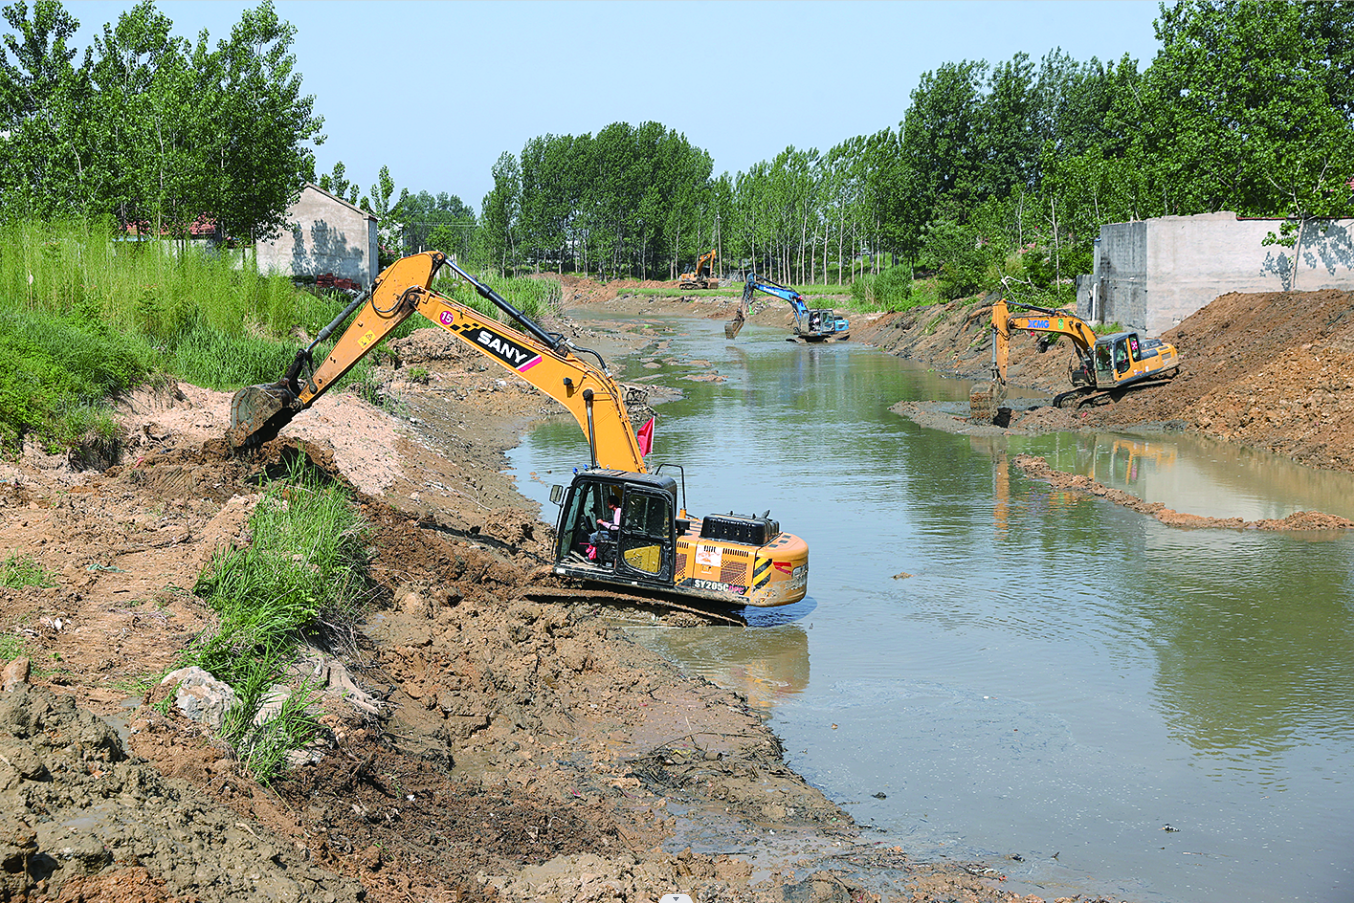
[495, 748]
[479, 745]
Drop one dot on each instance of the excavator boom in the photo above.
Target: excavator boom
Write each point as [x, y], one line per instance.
[548, 362]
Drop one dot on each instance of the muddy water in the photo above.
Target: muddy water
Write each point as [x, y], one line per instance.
[989, 670]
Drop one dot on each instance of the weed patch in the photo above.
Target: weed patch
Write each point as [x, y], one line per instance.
[16, 573]
[304, 570]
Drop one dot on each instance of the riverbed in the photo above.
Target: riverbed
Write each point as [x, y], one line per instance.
[988, 668]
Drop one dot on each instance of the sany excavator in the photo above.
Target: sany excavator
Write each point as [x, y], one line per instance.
[1101, 365]
[656, 551]
[704, 275]
[820, 324]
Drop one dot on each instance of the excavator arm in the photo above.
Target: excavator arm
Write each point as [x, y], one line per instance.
[753, 285]
[546, 361]
[705, 266]
[986, 398]
[705, 269]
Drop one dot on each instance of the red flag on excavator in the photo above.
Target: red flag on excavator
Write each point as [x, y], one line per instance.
[645, 437]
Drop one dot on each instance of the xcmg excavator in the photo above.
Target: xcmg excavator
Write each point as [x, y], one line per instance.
[655, 550]
[1101, 365]
[704, 275]
[812, 324]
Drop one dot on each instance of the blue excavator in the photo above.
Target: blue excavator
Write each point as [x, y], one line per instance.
[812, 324]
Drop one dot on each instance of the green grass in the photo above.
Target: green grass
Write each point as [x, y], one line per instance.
[17, 573]
[11, 647]
[304, 570]
[533, 297]
[88, 316]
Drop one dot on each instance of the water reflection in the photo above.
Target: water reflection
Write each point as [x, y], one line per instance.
[1195, 475]
[768, 665]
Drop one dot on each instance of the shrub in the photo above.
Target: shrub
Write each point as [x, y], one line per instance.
[890, 290]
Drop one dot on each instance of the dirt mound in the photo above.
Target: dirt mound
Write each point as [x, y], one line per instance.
[1270, 370]
[78, 811]
[580, 291]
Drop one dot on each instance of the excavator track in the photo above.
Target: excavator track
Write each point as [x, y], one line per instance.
[1084, 395]
[584, 594]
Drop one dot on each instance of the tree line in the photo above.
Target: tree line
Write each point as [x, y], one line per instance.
[154, 130]
[1246, 107]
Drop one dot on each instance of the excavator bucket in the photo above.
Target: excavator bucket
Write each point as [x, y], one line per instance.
[258, 413]
[984, 400]
[734, 326]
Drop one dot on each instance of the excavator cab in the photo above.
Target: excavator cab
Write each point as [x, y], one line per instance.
[640, 551]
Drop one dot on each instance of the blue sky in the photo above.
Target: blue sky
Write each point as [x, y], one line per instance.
[438, 91]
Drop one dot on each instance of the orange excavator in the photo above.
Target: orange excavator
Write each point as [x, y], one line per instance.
[704, 275]
[1101, 364]
[655, 551]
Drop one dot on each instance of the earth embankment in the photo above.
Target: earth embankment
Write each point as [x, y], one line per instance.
[1272, 371]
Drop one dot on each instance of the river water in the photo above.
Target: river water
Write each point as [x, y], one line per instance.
[989, 669]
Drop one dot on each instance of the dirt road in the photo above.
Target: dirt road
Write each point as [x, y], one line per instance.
[513, 750]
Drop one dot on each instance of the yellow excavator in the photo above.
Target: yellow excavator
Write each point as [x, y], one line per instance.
[704, 275]
[654, 550]
[1101, 365]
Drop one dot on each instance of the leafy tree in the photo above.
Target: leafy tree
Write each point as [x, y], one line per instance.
[939, 138]
[150, 127]
[1232, 95]
[150, 100]
[336, 183]
[44, 159]
[499, 211]
[1007, 141]
[259, 132]
[441, 222]
[390, 230]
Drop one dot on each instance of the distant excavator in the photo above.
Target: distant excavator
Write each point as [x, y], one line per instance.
[812, 324]
[1101, 364]
[704, 276]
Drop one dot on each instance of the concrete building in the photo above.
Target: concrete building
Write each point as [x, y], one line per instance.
[1152, 274]
[329, 235]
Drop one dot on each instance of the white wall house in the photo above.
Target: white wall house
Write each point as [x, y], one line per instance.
[328, 235]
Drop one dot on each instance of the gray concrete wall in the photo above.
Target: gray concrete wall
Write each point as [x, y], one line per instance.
[329, 235]
[1152, 274]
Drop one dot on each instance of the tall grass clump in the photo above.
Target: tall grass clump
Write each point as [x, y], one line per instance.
[94, 313]
[890, 290]
[56, 375]
[304, 570]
